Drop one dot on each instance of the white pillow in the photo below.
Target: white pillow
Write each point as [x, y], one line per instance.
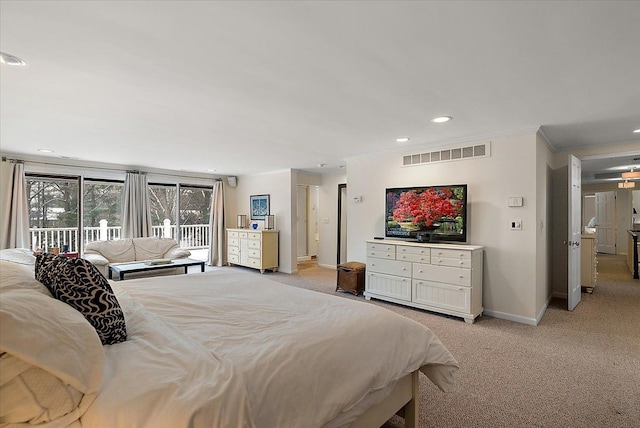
[51, 335]
[24, 256]
[15, 276]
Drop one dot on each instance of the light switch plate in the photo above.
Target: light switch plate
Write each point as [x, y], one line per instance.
[515, 201]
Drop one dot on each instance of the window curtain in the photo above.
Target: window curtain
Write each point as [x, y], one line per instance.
[216, 226]
[136, 210]
[15, 207]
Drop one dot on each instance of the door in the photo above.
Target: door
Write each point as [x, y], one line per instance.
[606, 222]
[342, 224]
[302, 224]
[574, 231]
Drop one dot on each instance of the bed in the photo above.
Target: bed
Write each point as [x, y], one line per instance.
[226, 348]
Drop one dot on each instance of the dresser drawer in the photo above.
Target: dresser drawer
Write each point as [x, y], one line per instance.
[445, 274]
[388, 285]
[381, 251]
[242, 235]
[254, 263]
[390, 267]
[450, 254]
[233, 250]
[406, 249]
[233, 242]
[233, 258]
[254, 235]
[439, 295]
[441, 261]
[381, 247]
[254, 253]
[253, 244]
[233, 234]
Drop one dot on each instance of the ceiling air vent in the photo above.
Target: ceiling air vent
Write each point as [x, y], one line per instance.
[448, 155]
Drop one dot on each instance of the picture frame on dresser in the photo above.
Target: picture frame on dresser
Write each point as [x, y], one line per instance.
[259, 206]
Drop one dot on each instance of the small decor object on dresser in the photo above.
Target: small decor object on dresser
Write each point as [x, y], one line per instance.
[259, 205]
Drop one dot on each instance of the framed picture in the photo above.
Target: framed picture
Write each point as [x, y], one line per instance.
[259, 206]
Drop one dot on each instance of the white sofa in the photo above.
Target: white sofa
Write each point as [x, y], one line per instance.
[104, 253]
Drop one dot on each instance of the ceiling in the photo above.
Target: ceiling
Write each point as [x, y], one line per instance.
[251, 87]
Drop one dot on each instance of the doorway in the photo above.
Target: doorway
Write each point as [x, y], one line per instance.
[342, 224]
[307, 223]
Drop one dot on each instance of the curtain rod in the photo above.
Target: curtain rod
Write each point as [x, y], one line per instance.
[6, 159]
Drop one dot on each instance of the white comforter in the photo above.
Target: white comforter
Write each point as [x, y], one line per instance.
[262, 353]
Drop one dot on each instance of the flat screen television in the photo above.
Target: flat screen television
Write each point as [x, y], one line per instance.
[427, 213]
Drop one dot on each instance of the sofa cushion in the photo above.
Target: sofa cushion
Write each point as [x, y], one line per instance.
[153, 248]
[118, 251]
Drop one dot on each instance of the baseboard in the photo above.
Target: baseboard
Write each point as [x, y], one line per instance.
[543, 310]
[322, 265]
[510, 317]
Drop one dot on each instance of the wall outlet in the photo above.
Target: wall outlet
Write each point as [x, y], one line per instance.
[516, 224]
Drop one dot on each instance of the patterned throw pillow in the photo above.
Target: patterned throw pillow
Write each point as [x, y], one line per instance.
[79, 284]
[46, 264]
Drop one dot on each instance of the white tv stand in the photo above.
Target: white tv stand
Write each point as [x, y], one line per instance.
[445, 278]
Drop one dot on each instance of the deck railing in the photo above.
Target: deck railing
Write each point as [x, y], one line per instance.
[189, 236]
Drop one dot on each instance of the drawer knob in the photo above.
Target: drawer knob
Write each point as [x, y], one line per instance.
[460, 289]
[420, 271]
[461, 277]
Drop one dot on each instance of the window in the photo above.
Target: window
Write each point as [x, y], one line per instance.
[102, 210]
[195, 210]
[163, 202]
[53, 212]
[181, 212]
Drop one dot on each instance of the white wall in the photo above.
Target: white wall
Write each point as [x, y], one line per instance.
[544, 236]
[328, 219]
[510, 257]
[281, 188]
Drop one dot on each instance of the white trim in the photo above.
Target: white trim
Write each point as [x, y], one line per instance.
[322, 265]
[543, 310]
[510, 317]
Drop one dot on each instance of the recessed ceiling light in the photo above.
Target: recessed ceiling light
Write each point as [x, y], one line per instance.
[5, 58]
[441, 119]
[211, 170]
[45, 150]
[637, 131]
[402, 139]
[322, 165]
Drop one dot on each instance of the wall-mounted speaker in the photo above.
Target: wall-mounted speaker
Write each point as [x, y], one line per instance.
[233, 181]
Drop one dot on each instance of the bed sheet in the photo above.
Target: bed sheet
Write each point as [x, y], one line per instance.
[307, 358]
[161, 378]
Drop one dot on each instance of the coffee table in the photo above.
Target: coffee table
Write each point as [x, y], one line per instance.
[123, 268]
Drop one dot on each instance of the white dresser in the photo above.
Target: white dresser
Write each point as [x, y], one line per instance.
[256, 249]
[443, 278]
[588, 262]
